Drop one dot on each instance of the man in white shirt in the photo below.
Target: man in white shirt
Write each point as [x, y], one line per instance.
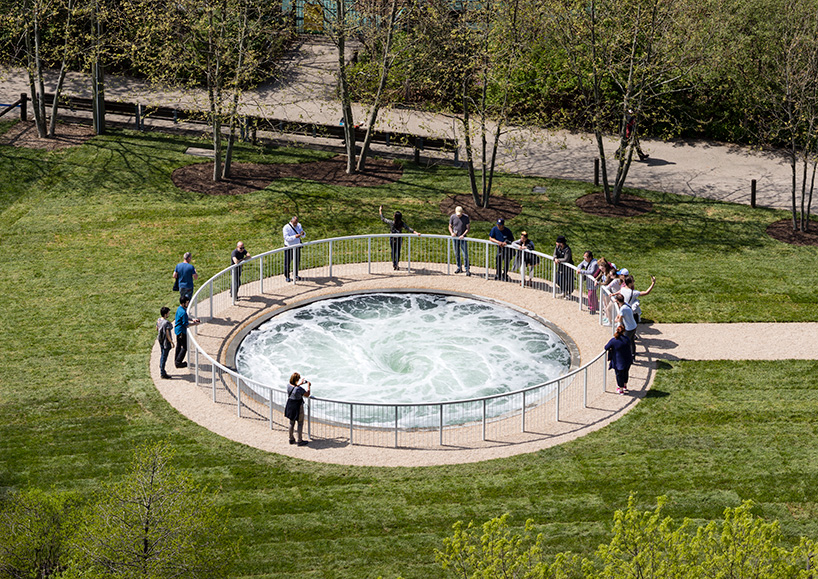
[293, 234]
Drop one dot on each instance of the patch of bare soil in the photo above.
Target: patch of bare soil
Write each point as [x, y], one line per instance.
[499, 207]
[629, 205]
[783, 231]
[24, 134]
[249, 177]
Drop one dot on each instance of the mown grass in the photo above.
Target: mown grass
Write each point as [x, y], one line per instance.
[90, 236]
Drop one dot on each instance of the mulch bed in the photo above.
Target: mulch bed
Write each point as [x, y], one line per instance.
[24, 134]
[499, 207]
[783, 231]
[629, 205]
[249, 177]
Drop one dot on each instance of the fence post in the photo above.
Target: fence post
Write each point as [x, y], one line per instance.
[213, 378]
[351, 410]
[261, 274]
[441, 425]
[554, 279]
[396, 426]
[211, 303]
[270, 401]
[753, 193]
[585, 388]
[523, 411]
[486, 247]
[558, 401]
[330, 261]
[138, 116]
[484, 419]
[23, 106]
[596, 172]
[409, 257]
[238, 395]
[581, 279]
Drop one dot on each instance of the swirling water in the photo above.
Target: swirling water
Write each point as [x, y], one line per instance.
[403, 348]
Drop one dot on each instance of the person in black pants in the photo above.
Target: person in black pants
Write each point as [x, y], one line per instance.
[180, 326]
[502, 237]
[396, 225]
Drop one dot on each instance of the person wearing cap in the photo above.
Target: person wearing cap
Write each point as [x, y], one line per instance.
[625, 318]
[502, 237]
[396, 225]
[631, 294]
[565, 275]
[459, 225]
[184, 274]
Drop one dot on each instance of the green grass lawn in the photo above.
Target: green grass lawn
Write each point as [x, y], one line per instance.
[90, 236]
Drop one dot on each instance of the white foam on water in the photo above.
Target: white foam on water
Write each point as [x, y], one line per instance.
[403, 348]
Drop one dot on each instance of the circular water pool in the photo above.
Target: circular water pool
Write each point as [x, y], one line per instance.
[408, 348]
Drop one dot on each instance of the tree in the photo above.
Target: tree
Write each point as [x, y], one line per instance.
[781, 86]
[45, 34]
[470, 55]
[156, 523]
[35, 529]
[218, 43]
[626, 56]
[644, 544]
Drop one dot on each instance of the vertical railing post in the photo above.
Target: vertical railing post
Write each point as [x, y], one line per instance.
[330, 258]
[409, 256]
[196, 373]
[309, 418]
[522, 269]
[523, 411]
[211, 301]
[23, 106]
[449, 245]
[396, 426]
[213, 377]
[440, 430]
[369, 255]
[351, 410]
[238, 395]
[484, 419]
[585, 388]
[557, 408]
[261, 275]
[581, 279]
[233, 285]
[486, 247]
[554, 278]
[270, 401]
[604, 375]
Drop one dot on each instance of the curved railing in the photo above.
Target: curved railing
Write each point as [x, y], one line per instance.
[500, 417]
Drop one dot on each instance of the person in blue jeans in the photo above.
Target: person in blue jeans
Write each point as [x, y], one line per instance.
[165, 338]
[459, 225]
[184, 274]
[396, 225]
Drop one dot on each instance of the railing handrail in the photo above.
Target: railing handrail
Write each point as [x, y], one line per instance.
[238, 376]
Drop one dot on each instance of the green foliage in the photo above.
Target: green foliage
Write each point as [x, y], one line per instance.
[35, 529]
[644, 545]
[156, 523]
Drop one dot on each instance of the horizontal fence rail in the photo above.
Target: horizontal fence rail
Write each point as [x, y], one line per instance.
[499, 417]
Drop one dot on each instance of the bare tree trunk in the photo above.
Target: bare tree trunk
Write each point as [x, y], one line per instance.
[343, 86]
[386, 65]
[234, 106]
[63, 69]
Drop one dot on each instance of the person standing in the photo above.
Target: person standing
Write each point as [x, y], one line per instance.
[396, 225]
[165, 338]
[620, 358]
[502, 237]
[239, 254]
[180, 326]
[625, 318]
[184, 274]
[631, 135]
[590, 269]
[524, 257]
[294, 409]
[631, 294]
[565, 275]
[459, 225]
[293, 234]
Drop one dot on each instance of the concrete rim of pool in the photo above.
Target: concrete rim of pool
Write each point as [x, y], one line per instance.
[195, 402]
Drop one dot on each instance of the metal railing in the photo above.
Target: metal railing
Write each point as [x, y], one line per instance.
[500, 417]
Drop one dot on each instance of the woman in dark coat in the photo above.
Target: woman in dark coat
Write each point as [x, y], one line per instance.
[620, 357]
[396, 225]
[294, 410]
[565, 275]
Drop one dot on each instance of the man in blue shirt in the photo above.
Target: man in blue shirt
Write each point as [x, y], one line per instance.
[502, 237]
[180, 326]
[185, 273]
